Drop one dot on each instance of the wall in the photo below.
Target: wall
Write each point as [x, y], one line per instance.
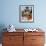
[10, 13]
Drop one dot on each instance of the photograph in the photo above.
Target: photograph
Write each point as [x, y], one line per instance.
[26, 13]
[22, 23]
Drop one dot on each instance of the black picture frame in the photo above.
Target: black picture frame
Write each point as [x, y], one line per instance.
[26, 13]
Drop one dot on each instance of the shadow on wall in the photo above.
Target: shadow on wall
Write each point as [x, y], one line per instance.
[2, 26]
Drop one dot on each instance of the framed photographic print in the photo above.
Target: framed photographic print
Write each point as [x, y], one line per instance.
[26, 13]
